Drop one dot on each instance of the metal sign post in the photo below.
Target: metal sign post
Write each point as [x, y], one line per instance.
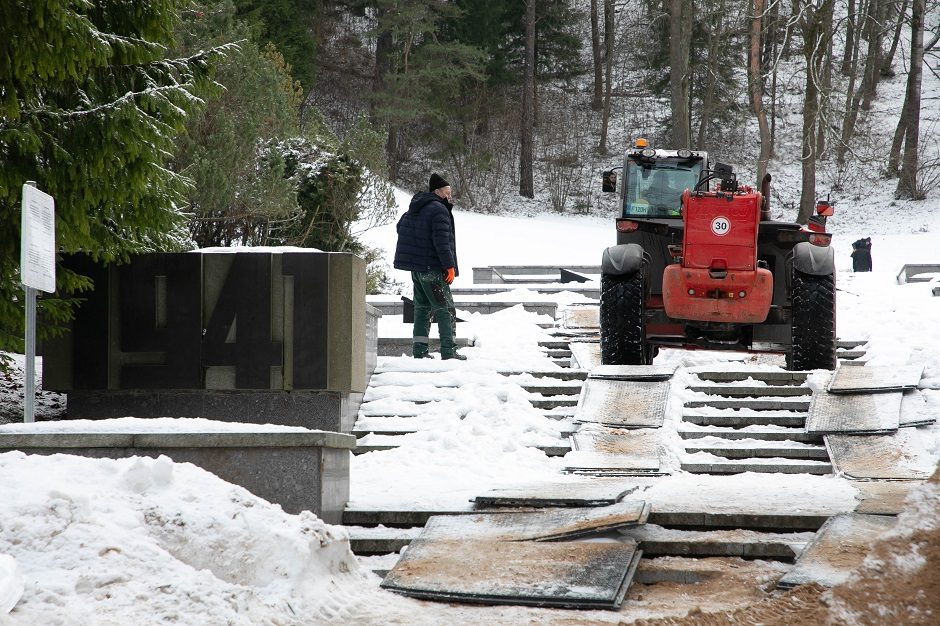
[37, 272]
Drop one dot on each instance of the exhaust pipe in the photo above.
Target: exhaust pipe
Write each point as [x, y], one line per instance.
[765, 198]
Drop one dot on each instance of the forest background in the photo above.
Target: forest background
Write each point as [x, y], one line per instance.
[167, 125]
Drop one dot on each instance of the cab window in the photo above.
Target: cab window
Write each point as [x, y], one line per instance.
[655, 189]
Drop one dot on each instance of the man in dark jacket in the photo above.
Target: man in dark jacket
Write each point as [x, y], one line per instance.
[427, 247]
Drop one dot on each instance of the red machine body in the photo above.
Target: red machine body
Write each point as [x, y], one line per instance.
[718, 279]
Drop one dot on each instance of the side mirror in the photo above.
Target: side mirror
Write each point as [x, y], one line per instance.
[609, 184]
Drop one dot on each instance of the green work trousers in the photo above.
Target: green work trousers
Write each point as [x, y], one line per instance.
[432, 298]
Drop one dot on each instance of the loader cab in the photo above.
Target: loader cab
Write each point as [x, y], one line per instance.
[654, 180]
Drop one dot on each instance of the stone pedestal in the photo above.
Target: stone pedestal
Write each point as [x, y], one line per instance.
[298, 470]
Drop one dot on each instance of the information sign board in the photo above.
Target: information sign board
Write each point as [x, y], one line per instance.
[37, 256]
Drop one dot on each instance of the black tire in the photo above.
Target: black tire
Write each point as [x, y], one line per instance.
[623, 319]
[813, 322]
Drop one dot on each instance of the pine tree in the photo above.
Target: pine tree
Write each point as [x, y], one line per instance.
[236, 193]
[89, 106]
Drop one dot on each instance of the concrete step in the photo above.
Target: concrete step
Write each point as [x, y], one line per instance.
[558, 353]
[739, 466]
[850, 355]
[759, 391]
[397, 346]
[770, 376]
[567, 373]
[554, 390]
[657, 541]
[588, 290]
[554, 402]
[797, 420]
[754, 404]
[368, 541]
[850, 343]
[775, 434]
[472, 304]
[806, 519]
[555, 344]
[562, 362]
[768, 451]
[558, 413]
[386, 443]
[361, 431]
[653, 540]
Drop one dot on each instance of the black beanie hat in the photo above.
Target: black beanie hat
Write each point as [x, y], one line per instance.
[437, 182]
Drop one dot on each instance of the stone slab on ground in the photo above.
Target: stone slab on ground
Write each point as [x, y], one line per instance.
[838, 549]
[581, 317]
[633, 372]
[541, 525]
[895, 456]
[602, 451]
[585, 355]
[872, 379]
[856, 413]
[566, 574]
[880, 497]
[623, 404]
[914, 410]
[596, 492]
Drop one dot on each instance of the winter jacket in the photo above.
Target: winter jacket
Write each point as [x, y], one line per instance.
[426, 235]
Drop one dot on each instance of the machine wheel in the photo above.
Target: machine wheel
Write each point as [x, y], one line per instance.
[623, 319]
[813, 322]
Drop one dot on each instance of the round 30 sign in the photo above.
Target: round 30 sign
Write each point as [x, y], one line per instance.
[721, 225]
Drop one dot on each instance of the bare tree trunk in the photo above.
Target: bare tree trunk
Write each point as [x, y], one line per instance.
[854, 97]
[708, 98]
[608, 70]
[383, 65]
[526, 143]
[808, 158]
[876, 31]
[775, 29]
[907, 183]
[886, 69]
[680, 33]
[825, 109]
[757, 90]
[850, 40]
[816, 24]
[851, 109]
[596, 101]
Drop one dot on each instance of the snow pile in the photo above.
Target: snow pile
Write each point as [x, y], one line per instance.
[151, 541]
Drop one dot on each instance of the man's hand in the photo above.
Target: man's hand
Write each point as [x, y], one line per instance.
[449, 275]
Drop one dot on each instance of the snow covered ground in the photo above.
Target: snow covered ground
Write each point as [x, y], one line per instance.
[97, 541]
[142, 540]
